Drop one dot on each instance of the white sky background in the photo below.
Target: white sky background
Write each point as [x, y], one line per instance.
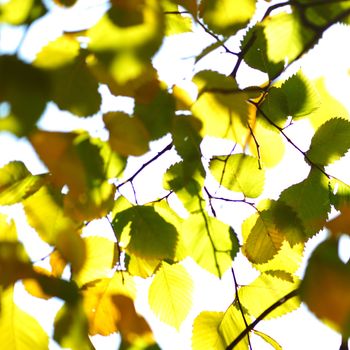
[299, 330]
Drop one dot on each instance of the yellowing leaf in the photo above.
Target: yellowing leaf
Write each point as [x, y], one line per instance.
[100, 259]
[265, 290]
[268, 340]
[226, 16]
[32, 286]
[19, 330]
[239, 173]
[170, 294]
[127, 135]
[326, 287]
[205, 333]
[209, 242]
[17, 183]
[102, 311]
[341, 223]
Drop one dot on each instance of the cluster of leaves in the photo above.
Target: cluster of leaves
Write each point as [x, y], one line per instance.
[85, 179]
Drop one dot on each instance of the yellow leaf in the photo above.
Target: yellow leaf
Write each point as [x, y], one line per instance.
[170, 294]
[32, 286]
[19, 330]
[127, 135]
[102, 312]
[341, 223]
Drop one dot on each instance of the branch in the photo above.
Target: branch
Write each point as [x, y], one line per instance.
[274, 306]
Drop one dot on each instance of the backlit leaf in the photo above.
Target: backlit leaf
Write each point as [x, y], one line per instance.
[264, 291]
[127, 135]
[326, 286]
[143, 232]
[226, 17]
[205, 333]
[17, 183]
[268, 340]
[19, 330]
[210, 243]
[341, 223]
[170, 294]
[239, 173]
[26, 89]
[330, 142]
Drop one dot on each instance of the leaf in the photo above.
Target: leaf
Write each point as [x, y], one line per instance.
[170, 294]
[221, 106]
[264, 291]
[127, 135]
[239, 173]
[302, 197]
[101, 303]
[19, 330]
[205, 333]
[340, 224]
[26, 89]
[17, 183]
[143, 232]
[177, 24]
[330, 142]
[101, 257]
[275, 223]
[255, 45]
[268, 340]
[232, 325]
[45, 214]
[71, 329]
[226, 17]
[211, 243]
[209, 49]
[326, 286]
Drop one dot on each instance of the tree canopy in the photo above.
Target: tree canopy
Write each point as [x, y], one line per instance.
[91, 177]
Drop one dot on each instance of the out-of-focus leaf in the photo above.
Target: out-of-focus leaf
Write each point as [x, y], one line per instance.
[275, 223]
[232, 325]
[57, 263]
[17, 183]
[32, 286]
[17, 12]
[45, 214]
[189, 5]
[71, 327]
[264, 291]
[127, 135]
[326, 287]
[145, 233]
[100, 304]
[19, 330]
[239, 173]
[205, 333]
[330, 142]
[226, 17]
[101, 255]
[341, 223]
[26, 89]
[183, 99]
[175, 22]
[65, 3]
[170, 294]
[210, 242]
[221, 106]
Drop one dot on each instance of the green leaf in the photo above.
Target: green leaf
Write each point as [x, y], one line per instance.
[227, 17]
[296, 97]
[205, 333]
[264, 291]
[175, 23]
[127, 135]
[211, 243]
[170, 294]
[17, 183]
[256, 56]
[232, 325]
[330, 142]
[239, 173]
[209, 49]
[302, 197]
[145, 233]
[221, 106]
[71, 327]
[275, 223]
[19, 330]
[26, 89]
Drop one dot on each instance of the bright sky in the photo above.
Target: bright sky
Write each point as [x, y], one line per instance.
[299, 330]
